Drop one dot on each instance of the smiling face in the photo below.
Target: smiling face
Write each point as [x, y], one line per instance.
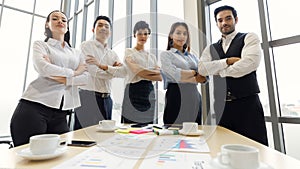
[179, 36]
[226, 22]
[142, 36]
[57, 23]
[102, 30]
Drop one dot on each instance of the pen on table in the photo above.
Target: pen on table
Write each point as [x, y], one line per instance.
[166, 132]
[157, 127]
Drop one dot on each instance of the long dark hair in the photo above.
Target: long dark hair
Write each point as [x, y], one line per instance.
[48, 32]
[186, 46]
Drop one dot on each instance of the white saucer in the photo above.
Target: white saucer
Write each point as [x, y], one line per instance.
[197, 133]
[26, 153]
[214, 164]
[106, 130]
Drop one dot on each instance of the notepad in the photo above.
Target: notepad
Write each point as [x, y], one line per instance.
[142, 131]
[133, 130]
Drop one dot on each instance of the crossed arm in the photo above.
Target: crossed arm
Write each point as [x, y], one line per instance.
[150, 74]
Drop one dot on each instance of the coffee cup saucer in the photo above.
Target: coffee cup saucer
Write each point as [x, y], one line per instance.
[196, 133]
[99, 128]
[215, 164]
[27, 154]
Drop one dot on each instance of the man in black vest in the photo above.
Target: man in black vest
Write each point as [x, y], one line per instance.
[233, 61]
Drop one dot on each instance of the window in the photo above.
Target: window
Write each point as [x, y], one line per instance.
[104, 7]
[287, 71]
[90, 21]
[46, 6]
[292, 141]
[285, 20]
[28, 6]
[79, 30]
[14, 52]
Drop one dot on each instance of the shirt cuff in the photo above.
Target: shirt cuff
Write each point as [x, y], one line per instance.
[224, 63]
[111, 69]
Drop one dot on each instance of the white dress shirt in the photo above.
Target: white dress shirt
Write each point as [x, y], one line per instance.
[143, 58]
[249, 62]
[64, 60]
[100, 80]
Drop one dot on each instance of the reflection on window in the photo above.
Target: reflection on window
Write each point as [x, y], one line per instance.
[279, 21]
[287, 71]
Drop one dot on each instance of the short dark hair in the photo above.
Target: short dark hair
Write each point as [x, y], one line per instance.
[141, 25]
[101, 17]
[223, 8]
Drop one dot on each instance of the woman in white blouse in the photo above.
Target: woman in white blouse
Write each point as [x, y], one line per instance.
[179, 70]
[139, 97]
[47, 100]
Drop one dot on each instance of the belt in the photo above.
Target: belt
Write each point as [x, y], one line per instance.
[230, 97]
[103, 95]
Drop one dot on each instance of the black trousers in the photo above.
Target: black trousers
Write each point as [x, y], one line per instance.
[246, 117]
[94, 107]
[182, 104]
[31, 118]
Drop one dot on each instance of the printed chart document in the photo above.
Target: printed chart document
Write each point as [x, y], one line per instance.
[175, 160]
[128, 140]
[127, 145]
[95, 157]
[187, 144]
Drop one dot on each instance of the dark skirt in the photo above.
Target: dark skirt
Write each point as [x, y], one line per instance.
[138, 103]
[182, 104]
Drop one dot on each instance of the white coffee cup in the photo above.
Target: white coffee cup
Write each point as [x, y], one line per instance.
[189, 127]
[44, 143]
[239, 156]
[107, 124]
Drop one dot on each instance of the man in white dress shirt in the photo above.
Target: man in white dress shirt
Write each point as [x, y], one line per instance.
[103, 65]
[233, 61]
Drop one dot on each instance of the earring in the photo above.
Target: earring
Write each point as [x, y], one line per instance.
[171, 42]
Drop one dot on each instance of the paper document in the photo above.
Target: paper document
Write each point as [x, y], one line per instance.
[95, 157]
[188, 144]
[175, 160]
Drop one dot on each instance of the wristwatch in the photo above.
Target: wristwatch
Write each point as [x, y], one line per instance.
[196, 73]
